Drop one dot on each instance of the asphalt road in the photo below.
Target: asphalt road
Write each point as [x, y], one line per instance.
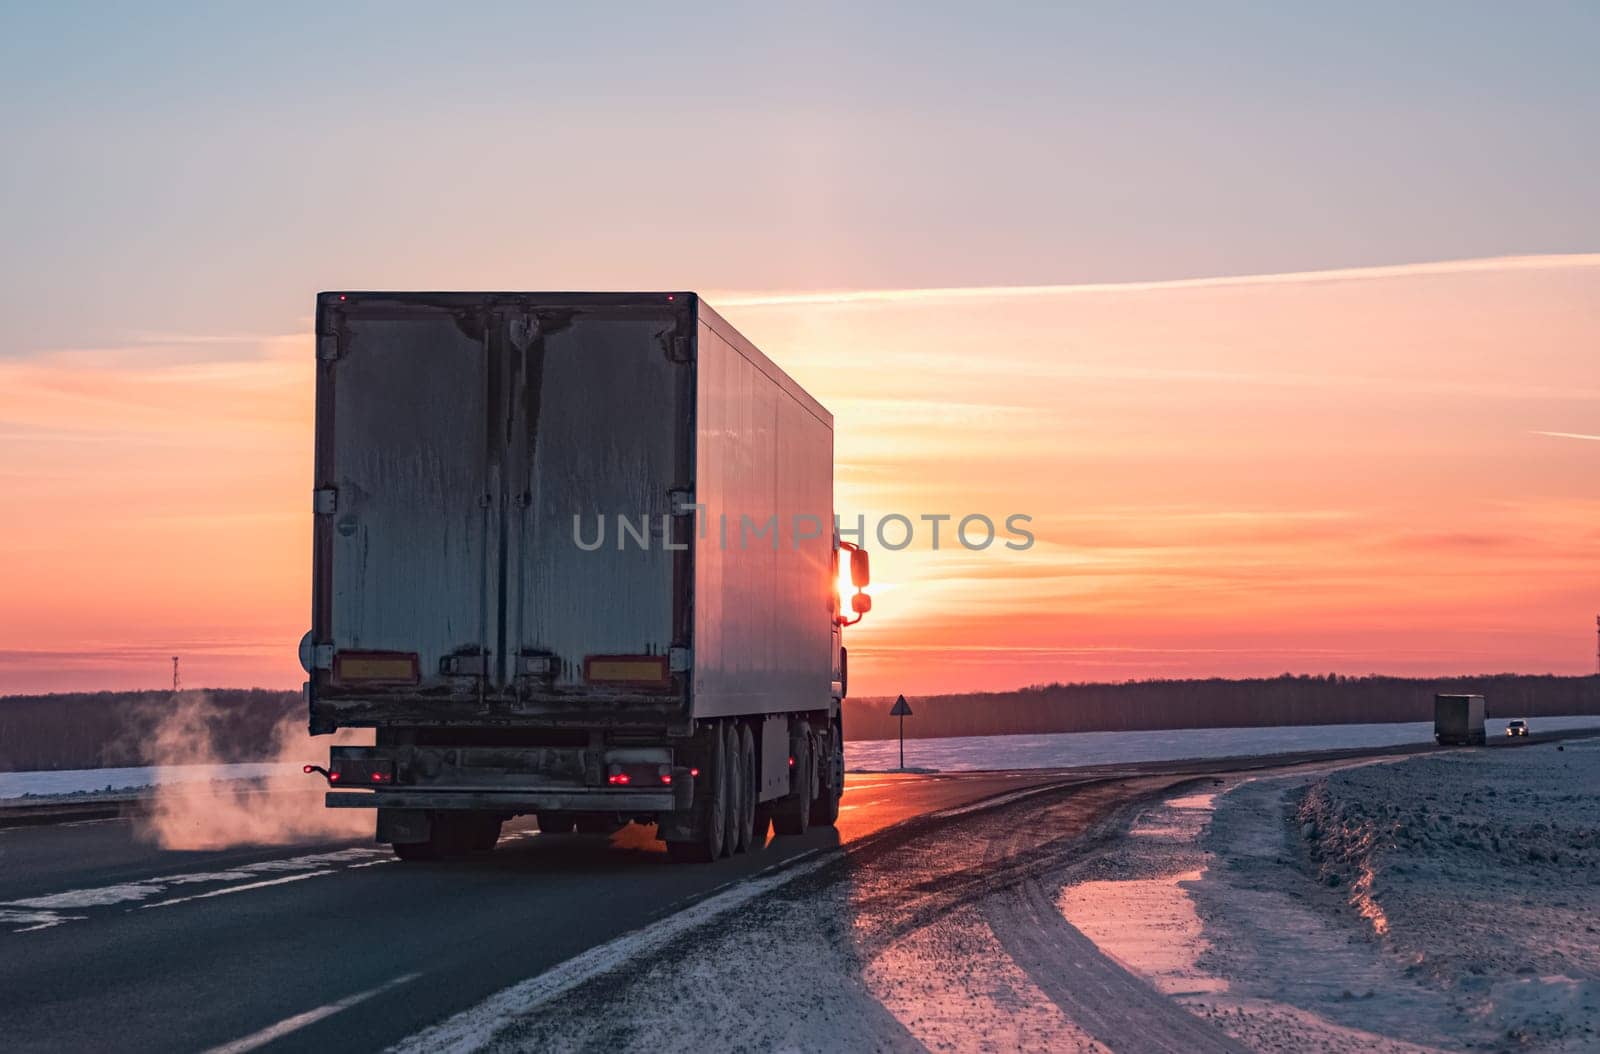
[110, 944]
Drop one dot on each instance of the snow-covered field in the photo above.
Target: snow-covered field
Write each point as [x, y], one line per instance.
[96, 781]
[1450, 901]
[960, 754]
[1070, 749]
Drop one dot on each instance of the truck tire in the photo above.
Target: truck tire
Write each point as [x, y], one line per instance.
[410, 851]
[556, 822]
[453, 834]
[747, 786]
[793, 813]
[825, 810]
[712, 822]
[480, 832]
[730, 778]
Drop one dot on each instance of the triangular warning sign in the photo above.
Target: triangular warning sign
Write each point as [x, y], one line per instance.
[901, 708]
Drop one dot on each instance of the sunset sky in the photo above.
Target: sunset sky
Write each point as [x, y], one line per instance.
[1282, 324]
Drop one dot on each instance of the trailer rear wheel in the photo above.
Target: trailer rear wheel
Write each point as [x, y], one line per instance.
[793, 814]
[453, 834]
[480, 833]
[428, 850]
[712, 823]
[728, 779]
[556, 822]
[746, 815]
[597, 822]
[825, 810]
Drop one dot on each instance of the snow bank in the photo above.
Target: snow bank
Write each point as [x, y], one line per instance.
[1481, 873]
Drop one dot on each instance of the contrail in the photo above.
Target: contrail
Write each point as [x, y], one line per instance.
[1569, 435]
[861, 296]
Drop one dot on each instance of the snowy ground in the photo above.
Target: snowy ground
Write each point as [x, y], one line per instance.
[1069, 749]
[1447, 902]
[99, 781]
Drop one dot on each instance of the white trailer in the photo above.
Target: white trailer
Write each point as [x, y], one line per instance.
[574, 555]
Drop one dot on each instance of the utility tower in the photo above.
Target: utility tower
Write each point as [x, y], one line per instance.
[176, 682]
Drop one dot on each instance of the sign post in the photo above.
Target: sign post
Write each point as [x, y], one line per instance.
[902, 710]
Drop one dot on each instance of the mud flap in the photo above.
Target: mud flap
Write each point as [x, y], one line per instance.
[404, 826]
[682, 824]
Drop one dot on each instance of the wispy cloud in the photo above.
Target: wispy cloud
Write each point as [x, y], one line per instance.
[1569, 435]
[1343, 274]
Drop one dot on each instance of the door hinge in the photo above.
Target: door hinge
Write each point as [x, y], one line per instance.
[680, 660]
[328, 347]
[682, 350]
[464, 665]
[324, 501]
[538, 664]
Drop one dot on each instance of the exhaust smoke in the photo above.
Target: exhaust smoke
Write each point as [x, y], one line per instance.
[218, 813]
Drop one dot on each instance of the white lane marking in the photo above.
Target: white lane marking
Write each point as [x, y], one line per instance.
[224, 891]
[310, 1017]
[473, 1028]
[989, 803]
[46, 911]
[848, 787]
[145, 889]
[41, 920]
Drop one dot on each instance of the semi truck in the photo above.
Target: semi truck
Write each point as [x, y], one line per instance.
[575, 556]
[1458, 720]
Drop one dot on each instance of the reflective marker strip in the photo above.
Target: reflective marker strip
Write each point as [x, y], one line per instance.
[392, 667]
[626, 669]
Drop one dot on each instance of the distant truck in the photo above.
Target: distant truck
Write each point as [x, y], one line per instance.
[574, 556]
[1458, 720]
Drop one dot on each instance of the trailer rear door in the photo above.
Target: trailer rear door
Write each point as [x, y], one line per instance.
[403, 554]
[605, 426]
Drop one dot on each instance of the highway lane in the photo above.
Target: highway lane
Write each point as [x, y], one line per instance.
[109, 944]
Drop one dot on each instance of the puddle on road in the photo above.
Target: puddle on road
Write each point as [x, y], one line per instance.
[1146, 920]
[1149, 926]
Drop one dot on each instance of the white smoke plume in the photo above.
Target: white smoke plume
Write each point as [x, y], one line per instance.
[216, 812]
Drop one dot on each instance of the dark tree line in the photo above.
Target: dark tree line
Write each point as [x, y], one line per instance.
[89, 730]
[105, 729]
[1216, 703]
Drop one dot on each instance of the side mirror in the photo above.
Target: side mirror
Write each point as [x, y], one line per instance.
[860, 603]
[860, 568]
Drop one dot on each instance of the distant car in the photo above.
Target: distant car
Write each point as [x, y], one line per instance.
[1517, 728]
